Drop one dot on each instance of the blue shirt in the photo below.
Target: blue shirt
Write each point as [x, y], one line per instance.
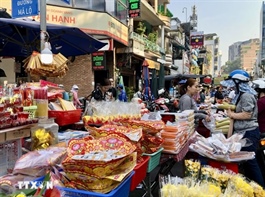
[122, 96]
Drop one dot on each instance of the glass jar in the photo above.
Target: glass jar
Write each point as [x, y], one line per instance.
[50, 125]
[44, 134]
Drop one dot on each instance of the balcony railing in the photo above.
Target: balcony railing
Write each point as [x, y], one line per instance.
[165, 19]
[148, 45]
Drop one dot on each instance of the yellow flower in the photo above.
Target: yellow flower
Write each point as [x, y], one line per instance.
[21, 195]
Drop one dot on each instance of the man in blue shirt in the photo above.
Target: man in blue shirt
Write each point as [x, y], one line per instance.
[122, 94]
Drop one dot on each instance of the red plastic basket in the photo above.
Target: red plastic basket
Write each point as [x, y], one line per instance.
[140, 173]
[63, 118]
[223, 165]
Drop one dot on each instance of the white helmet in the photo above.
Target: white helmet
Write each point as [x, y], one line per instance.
[258, 84]
[161, 91]
[75, 87]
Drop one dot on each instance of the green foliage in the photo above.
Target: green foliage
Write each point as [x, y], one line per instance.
[130, 92]
[230, 66]
[152, 37]
[141, 28]
[161, 11]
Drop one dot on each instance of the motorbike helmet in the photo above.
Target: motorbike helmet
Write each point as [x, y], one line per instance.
[258, 84]
[75, 87]
[161, 91]
[240, 75]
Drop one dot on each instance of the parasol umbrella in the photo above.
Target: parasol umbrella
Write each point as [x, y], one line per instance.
[161, 77]
[154, 83]
[22, 37]
[121, 81]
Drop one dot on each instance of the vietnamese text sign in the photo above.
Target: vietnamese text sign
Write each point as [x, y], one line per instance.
[24, 8]
[196, 40]
[99, 60]
[134, 8]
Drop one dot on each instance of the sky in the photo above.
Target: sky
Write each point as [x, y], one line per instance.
[231, 20]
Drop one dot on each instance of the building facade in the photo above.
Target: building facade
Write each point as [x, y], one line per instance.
[260, 63]
[249, 51]
[211, 43]
[127, 45]
[234, 51]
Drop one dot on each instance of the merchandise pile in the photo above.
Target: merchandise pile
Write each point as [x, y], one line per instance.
[202, 180]
[34, 66]
[98, 165]
[176, 134]
[218, 147]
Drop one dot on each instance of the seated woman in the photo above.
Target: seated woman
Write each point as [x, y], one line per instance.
[186, 102]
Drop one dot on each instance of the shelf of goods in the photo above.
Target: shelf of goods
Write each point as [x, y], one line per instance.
[11, 146]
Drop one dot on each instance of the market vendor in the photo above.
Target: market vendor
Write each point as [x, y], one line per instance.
[245, 119]
[186, 101]
[100, 93]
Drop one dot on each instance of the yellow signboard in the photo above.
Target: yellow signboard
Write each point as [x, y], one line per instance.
[89, 21]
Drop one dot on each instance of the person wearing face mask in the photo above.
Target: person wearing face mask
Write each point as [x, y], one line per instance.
[245, 119]
[186, 101]
[76, 101]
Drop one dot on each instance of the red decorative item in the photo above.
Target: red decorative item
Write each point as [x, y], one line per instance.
[207, 80]
[28, 97]
[52, 193]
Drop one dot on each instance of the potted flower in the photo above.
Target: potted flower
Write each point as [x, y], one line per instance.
[141, 28]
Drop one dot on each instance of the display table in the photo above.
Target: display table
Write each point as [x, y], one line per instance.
[15, 132]
[11, 146]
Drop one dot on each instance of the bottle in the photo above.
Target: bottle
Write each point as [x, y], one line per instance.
[71, 96]
[171, 92]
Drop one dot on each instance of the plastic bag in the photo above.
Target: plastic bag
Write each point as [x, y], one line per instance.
[37, 163]
[209, 125]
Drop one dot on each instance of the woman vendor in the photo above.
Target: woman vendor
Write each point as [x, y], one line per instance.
[245, 119]
[186, 102]
[100, 93]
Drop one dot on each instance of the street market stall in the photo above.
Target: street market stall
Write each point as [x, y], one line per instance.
[123, 148]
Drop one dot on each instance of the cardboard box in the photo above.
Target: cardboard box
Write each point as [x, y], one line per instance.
[17, 134]
[2, 137]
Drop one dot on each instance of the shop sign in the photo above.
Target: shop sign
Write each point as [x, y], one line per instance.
[108, 26]
[134, 8]
[99, 60]
[22, 8]
[196, 40]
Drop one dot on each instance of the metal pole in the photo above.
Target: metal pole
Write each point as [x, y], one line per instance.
[186, 13]
[42, 21]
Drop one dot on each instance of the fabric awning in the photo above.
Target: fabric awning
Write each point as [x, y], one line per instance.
[152, 64]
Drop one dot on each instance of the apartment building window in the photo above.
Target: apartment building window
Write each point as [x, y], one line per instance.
[110, 7]
[98, 5]
[121, 12]
[60, 3]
